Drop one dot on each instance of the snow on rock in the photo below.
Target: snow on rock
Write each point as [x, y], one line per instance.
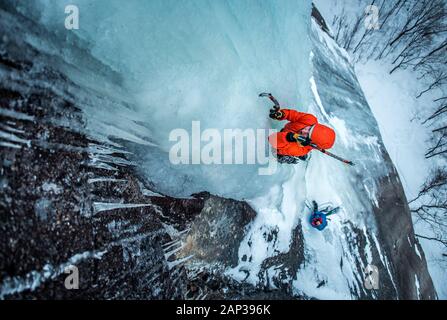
[51, 187]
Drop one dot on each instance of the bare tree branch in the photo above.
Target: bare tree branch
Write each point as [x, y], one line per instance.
[444, 242]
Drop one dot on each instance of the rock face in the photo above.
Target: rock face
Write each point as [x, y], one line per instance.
[397, 237]
[60, 205]
[52, 207]
[216, 232]
[69, 198]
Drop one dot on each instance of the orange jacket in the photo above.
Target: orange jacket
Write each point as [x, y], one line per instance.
[322, 136]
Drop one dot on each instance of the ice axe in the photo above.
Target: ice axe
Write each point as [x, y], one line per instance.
[276, 106]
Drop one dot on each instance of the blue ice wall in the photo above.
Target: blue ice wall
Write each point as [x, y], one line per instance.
[198, 60]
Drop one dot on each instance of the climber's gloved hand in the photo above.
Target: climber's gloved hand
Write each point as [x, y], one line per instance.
[276, 114]
[305, 142]
[292, 137]
[295, 137]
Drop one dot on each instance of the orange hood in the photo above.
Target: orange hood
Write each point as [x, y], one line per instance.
[323, 136]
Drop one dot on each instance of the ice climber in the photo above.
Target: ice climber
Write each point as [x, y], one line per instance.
[294, 141]
[318, 218]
